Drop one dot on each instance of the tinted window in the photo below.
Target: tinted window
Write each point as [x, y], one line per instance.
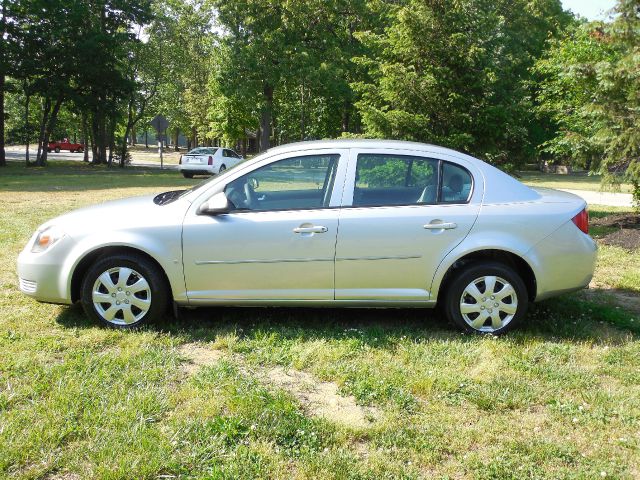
[395, 180]
[203, 151]
[291, 184]
[456, 184]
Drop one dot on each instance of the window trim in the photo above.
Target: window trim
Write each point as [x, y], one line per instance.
[412, 156]
[338, 161]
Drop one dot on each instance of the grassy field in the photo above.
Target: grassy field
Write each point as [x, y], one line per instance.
[306, 393]
[577, 181]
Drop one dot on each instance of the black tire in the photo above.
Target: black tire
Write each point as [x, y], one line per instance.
[57, 150]
[475, 274]
[223, 167]
[153, 298]
[187, 175]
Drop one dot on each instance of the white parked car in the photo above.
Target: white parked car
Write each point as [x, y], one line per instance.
[330, 223]
[208, 161]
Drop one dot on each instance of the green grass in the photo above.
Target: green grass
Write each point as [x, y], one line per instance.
[560, 398]
[577, 181]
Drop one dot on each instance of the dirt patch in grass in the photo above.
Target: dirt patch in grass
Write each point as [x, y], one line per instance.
[628, 238]
[198, 356]
[322, 399]
[627, 300]
[318, 398]
[620, 220]
[627, 234]
[64, 476]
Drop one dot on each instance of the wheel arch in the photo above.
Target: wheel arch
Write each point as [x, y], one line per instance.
[91, 257]
[511, 259]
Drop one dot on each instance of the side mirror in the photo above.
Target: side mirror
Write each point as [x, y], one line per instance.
[216, 205]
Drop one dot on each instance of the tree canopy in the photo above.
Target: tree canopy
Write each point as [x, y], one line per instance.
[512, 81]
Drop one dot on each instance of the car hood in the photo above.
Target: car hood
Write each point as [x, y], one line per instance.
[135, 212]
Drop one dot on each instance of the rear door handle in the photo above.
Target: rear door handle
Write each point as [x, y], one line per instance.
[313, 229]
[440, 226]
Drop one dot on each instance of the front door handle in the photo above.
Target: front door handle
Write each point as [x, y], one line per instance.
[440, 226]
[311, 229]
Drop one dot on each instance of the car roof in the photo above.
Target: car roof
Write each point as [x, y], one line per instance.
[363, 143]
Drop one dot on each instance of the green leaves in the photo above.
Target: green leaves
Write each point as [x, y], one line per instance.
[590, 89]
[458, 75]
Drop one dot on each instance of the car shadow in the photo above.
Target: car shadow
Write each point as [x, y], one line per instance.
[569, 318]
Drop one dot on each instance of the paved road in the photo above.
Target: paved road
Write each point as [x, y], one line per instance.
[604, 198]
[14, 153]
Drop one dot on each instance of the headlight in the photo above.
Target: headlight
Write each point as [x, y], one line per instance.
[46, 238]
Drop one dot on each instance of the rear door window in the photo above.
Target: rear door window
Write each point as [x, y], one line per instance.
[387, 179]
[456, 184]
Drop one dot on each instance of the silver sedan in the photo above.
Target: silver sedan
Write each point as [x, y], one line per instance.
[333, 223]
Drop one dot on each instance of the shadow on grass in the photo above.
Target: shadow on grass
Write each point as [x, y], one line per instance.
[568, 318]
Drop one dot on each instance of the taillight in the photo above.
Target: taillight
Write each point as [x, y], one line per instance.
[180, 161]
[210, 160]
[582, 220]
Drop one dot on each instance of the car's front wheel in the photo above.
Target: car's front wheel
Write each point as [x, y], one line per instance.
[57, 150]
[124, 291]
[486, 298]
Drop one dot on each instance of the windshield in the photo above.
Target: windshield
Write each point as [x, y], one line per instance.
[203, 151]
[216, 177]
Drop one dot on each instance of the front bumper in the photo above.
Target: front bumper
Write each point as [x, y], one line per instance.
[43, 275]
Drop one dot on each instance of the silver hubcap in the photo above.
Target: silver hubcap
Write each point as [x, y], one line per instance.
[121, 296]
[488, 303]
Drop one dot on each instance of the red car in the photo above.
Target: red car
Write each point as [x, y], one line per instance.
[65, 145]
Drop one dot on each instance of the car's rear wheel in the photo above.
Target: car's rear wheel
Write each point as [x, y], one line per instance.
[223, 167]
[187, 175]
[124, 291]
[57, 149]
[486, 298]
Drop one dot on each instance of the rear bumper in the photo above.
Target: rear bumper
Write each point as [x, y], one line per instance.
[563, 262]
[198, 169]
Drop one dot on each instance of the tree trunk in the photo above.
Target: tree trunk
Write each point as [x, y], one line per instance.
[3, 159]
[266, 117]
[176, 147]
[46, 110]
[112, 140]
[346, 116]
[85, 142]
[146, 138]
[100, 137]
[194, 136]
[128, 128]
[93, 132]
[49, 127]
[27, 101]
[302, 124]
